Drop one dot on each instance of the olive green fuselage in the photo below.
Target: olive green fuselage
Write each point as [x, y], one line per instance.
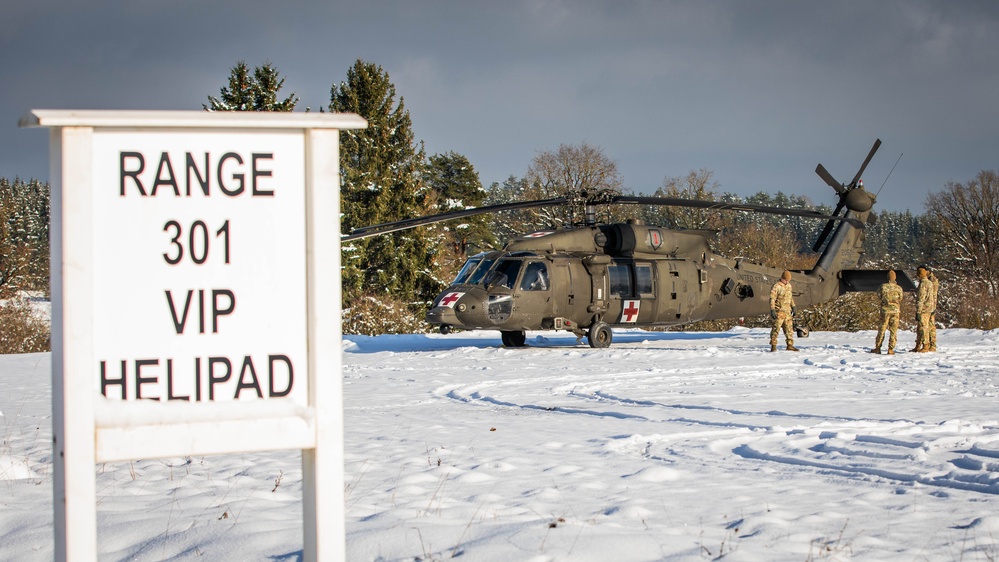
[626, 274]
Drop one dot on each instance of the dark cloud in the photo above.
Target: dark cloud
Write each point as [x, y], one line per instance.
[758, 93]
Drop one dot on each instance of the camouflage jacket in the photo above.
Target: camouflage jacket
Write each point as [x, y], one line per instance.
[924, 297]
[781, 297]
[891, 297]
[935, 286]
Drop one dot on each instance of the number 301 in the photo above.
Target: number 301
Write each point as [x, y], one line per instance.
[198, 241]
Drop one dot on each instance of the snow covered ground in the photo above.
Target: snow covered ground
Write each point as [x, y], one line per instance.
[665, 446]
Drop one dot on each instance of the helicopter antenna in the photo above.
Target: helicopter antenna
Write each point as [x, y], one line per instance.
[889, 175]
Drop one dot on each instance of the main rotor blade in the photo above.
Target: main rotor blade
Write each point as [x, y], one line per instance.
[860, 172]
[720, 206]
[388, 227]
[827, 177]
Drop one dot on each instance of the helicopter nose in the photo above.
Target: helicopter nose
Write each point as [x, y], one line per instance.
[460, 308]
[442, 315]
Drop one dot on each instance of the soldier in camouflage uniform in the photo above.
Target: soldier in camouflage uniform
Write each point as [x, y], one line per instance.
[891, 300]
[935, 286]
[924, 311]
[782, 311]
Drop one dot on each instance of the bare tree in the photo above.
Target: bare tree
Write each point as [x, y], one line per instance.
[570, 171]
[964, 224]
[764, 243]
[695, 185]
[967, 227]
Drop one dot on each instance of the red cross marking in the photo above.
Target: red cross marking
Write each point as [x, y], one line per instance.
[449, 299]
[630, 312]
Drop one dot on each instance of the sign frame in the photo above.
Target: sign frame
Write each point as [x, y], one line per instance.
[89, 429]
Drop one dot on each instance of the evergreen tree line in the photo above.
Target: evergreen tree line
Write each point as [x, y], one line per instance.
[24, 236]
[24, 264]
[386, 175]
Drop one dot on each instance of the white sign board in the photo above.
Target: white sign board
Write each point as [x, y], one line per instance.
[196, 299]
[201, 245]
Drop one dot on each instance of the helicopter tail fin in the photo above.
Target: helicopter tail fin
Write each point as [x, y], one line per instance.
[855, 280]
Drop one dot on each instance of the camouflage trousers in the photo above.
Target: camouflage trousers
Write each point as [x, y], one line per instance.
[783, 321]
[889, 322]
[925, 331]
[932, 337]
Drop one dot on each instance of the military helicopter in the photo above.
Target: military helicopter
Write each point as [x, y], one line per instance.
[590, 277]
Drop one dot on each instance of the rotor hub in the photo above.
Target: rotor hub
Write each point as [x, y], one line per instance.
[859, 200]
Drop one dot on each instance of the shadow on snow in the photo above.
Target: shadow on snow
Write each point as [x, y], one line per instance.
[487, 339]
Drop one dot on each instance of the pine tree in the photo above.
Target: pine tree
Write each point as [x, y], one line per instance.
[24, 236]
[268, 83]
[382, 172]
[454, 182]
[258, 92]
[510, 224]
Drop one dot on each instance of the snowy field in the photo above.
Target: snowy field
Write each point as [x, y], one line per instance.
[665, 446]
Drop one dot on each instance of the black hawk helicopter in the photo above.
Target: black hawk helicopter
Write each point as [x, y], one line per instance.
[590, 277]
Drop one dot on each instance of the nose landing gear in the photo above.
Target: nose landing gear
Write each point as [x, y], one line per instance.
[600, 335]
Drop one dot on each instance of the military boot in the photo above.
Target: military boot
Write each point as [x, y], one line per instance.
[876, 350]
[916, 349]
[891, 351]
[773, 347]
[792, 348]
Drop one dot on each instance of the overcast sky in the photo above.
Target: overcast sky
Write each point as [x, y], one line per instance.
[756, 92]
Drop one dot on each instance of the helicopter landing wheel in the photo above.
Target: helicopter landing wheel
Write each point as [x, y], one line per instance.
[514, 338]
[600, 335]
[445, 329]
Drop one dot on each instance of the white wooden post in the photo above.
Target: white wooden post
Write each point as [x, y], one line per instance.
[323, 465]
[72, 406]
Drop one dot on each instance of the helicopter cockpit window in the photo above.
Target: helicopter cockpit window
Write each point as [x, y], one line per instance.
[505, 273]
[643, 279]
[620, 279]
[480, 272]
[466, 270]
[535, 277]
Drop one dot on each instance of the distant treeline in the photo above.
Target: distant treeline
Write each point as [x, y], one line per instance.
[389, 280]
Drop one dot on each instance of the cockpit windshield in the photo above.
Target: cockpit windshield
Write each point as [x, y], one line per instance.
[503, 271]
[479, 273]
[467, 269]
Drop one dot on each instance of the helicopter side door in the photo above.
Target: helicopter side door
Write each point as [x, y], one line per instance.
[534, 292]
[632, 291]
[645, 290]
[568, 299]
[679, 285]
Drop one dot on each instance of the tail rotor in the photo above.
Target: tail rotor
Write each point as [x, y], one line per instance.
[852, 196]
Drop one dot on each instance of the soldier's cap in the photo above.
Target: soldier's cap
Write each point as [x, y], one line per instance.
[891, 274]
[786, 275]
